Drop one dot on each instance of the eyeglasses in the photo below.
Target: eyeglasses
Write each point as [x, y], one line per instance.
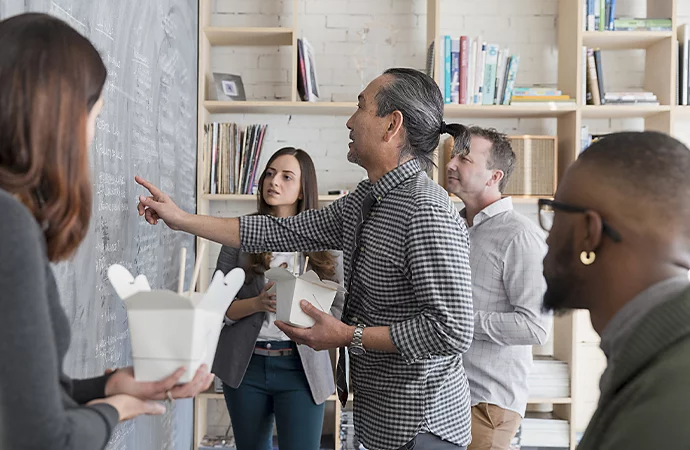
[547, 210]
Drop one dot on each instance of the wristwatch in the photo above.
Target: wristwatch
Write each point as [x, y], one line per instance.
[356, 347]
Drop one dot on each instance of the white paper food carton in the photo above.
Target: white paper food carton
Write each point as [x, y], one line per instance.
[290, 289]
[169, 330]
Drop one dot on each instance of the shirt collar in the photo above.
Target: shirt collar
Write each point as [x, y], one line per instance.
[613, 335]
[494, 209]
[394, 178]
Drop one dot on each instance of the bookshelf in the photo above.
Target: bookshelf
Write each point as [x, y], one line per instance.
[660, 49]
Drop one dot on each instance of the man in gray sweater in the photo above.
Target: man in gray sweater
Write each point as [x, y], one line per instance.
[619, 246]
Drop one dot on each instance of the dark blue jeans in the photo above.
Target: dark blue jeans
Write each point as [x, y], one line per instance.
[275, 386]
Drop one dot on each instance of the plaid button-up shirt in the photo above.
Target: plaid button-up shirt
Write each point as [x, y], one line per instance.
[413, 275]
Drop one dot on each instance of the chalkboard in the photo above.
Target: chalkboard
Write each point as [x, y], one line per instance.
[147, 128]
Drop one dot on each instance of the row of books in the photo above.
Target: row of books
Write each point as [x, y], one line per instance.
[475, 72]
[600, 15]
[231, 157]
[593, 85]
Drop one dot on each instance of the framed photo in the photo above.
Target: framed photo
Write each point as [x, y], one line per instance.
[229, 87]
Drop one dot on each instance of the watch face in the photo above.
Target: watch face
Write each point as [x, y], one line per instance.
[357, 351]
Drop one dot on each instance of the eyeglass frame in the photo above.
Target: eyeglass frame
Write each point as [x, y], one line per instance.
[556, 205]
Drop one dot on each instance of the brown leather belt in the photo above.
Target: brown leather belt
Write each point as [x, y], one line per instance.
[268, 351]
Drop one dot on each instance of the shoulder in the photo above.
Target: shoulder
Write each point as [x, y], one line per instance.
[16, 220]
[428, 201]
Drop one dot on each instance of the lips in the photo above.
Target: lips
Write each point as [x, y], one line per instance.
[272, 192]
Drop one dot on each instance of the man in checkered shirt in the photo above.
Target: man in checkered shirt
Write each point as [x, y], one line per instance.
[508, 288]
[408, 317]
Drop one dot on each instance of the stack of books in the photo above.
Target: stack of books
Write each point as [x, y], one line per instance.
[538, 95]
[540, 431]
[549, 378]
[348, 441]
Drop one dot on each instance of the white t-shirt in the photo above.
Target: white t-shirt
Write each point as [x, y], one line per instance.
[270, 332]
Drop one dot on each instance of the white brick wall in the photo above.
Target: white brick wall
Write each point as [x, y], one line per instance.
[356, 40]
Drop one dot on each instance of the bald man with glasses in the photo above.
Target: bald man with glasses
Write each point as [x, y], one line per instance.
[619, 247]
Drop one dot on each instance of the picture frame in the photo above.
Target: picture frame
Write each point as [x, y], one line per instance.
[229, 87]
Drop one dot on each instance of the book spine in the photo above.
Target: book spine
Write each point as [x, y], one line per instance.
[455, 71]
[592, 84]
[510, 79]
[590, 15]
[479, 75]
[464, 68]
[490, 74]
[600, 75]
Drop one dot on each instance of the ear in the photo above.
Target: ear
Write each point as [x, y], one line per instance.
[591, 234]
[496, 178]
[395, 123]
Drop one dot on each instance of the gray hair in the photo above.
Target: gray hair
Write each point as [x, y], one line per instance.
[419, 100]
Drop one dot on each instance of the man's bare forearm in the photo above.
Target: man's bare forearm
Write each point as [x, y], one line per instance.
[225, 231]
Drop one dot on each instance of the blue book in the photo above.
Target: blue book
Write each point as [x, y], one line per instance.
[610, 14]
[455, 71]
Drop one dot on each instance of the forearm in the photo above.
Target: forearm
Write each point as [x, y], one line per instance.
[225, 231]
[241, 308]
[510, 328]
[377, 338]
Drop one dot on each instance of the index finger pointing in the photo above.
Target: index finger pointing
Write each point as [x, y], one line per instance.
[151, 188]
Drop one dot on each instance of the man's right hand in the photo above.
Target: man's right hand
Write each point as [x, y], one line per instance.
[158, 206]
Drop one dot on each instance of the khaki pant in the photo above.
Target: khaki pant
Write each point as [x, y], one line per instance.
[493, 427]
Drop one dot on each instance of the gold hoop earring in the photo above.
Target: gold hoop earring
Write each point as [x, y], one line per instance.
[587, 258]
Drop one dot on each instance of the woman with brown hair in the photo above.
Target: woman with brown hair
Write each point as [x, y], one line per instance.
[51, 80]
[264, 373]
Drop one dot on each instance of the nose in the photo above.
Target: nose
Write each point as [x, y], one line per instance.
[451, 164]
[348, 124]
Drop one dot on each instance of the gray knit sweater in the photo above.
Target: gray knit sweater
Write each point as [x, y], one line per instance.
[40, 407]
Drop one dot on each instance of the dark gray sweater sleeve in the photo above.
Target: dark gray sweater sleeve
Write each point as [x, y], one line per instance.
[34, 410]
[83, 391]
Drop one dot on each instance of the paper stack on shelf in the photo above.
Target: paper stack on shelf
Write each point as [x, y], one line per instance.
[548, 378]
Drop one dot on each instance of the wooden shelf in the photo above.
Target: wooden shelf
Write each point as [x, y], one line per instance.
[552, 400]
[347, 108]
[623, 40]
[252, 198]
[334, 398]
[682, 111]
[622, 111]
[221, 36]
[550, 109]
[211, 395]
[281, 107]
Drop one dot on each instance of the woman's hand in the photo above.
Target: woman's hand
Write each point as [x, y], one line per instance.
[128, 407]
[123, 382]
[265, 301]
